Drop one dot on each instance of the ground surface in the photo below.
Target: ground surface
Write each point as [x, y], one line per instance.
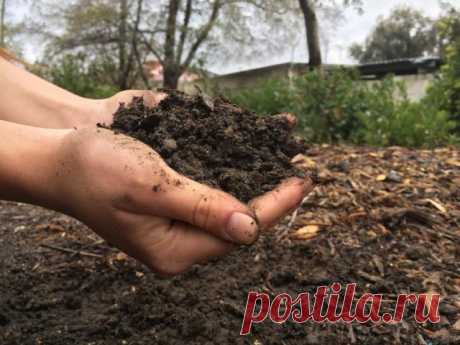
[215, 142]
[386, 219]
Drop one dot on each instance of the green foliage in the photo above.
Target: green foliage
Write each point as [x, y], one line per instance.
[444, 94]
[327, 104]
[406, 33]
[75, 74]
[403, 123]
[268, 98]
[335, 106]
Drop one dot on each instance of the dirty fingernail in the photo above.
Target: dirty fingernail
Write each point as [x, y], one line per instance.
[241, 228]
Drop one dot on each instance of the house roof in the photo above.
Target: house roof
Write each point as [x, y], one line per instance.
[400, 67]
[368, 70]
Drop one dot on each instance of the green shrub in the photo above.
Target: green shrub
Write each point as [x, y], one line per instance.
[407, 124]
[74, 73]
[327, 104]
[444, 93]
[335, 106]
[267, 98]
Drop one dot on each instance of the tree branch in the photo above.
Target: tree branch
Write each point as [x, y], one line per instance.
[170, 41]
[184, 31]
[153, 49]
[312, 31]
[132, 53]
[203, 34]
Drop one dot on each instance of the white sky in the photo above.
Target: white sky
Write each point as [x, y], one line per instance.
[354, 29]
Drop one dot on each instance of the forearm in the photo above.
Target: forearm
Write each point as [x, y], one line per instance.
[28, 163]
[30, 100]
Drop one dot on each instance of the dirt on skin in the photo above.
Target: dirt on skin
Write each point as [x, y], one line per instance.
[214, 142]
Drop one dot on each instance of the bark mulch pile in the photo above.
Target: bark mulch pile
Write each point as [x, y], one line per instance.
[387, 219]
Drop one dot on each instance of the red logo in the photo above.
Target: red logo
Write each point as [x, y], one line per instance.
[323, 306]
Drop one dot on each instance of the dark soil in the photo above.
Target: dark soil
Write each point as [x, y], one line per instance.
[214, 142]
[389, 237]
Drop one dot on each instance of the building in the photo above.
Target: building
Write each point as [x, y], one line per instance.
[416, 73]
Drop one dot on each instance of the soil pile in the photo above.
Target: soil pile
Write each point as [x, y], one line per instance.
[214, 142]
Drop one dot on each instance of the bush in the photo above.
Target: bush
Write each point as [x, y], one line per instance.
[268, 98]
[444, 94]
[335, 106]
[74, 73]
[327, 105]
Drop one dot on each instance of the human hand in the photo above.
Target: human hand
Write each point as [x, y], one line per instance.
[126, 193]
[102, 110]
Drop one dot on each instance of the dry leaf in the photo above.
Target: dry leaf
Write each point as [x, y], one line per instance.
[381, 178]
[53, 227]
[306, 233]
[437, 205]
[456, 325]
[303, 162]
[121, 256]
[454, 162]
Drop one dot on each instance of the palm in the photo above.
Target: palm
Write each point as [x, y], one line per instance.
[119, 188]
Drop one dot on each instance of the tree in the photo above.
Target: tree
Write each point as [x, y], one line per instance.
[180, 34]
[132, 31]
[309, 10]
[9, 32]
[406, 33]
[106, 33]
[172, 55]
[2, 22]
[312, 30]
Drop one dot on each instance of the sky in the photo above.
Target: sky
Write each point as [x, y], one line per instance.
[355, 28]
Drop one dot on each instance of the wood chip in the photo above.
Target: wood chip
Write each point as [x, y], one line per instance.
[306, 233]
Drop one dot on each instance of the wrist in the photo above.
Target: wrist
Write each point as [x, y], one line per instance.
[32, 154]
[30, 100]
[69, 112]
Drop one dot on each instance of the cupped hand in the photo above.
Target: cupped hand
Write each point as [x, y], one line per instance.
[102, 110]
[125, 192]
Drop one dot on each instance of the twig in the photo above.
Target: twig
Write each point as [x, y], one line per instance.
[71, 251]
[351, 334]
[294, 215]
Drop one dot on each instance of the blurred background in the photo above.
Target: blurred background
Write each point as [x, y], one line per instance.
[365, 72]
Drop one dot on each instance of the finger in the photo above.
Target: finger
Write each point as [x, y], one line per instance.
[274, 205]
[289, 118]
[187, 246]
[219, 213]
[151, 98]
[166, 247]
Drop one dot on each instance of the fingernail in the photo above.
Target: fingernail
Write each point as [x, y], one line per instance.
[242, 228]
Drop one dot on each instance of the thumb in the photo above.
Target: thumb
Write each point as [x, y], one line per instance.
[212, 210]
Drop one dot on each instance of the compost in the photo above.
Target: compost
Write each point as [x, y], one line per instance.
[386, 219]
[215, 142]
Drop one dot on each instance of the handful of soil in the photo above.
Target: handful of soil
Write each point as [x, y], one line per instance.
[214, 142]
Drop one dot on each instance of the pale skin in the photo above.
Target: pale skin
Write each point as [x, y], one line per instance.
[53, 155]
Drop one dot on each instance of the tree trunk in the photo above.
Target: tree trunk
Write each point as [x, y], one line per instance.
[311, 26]
[170, 70]
[2, 23]
[122, 39]
[171, 77]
